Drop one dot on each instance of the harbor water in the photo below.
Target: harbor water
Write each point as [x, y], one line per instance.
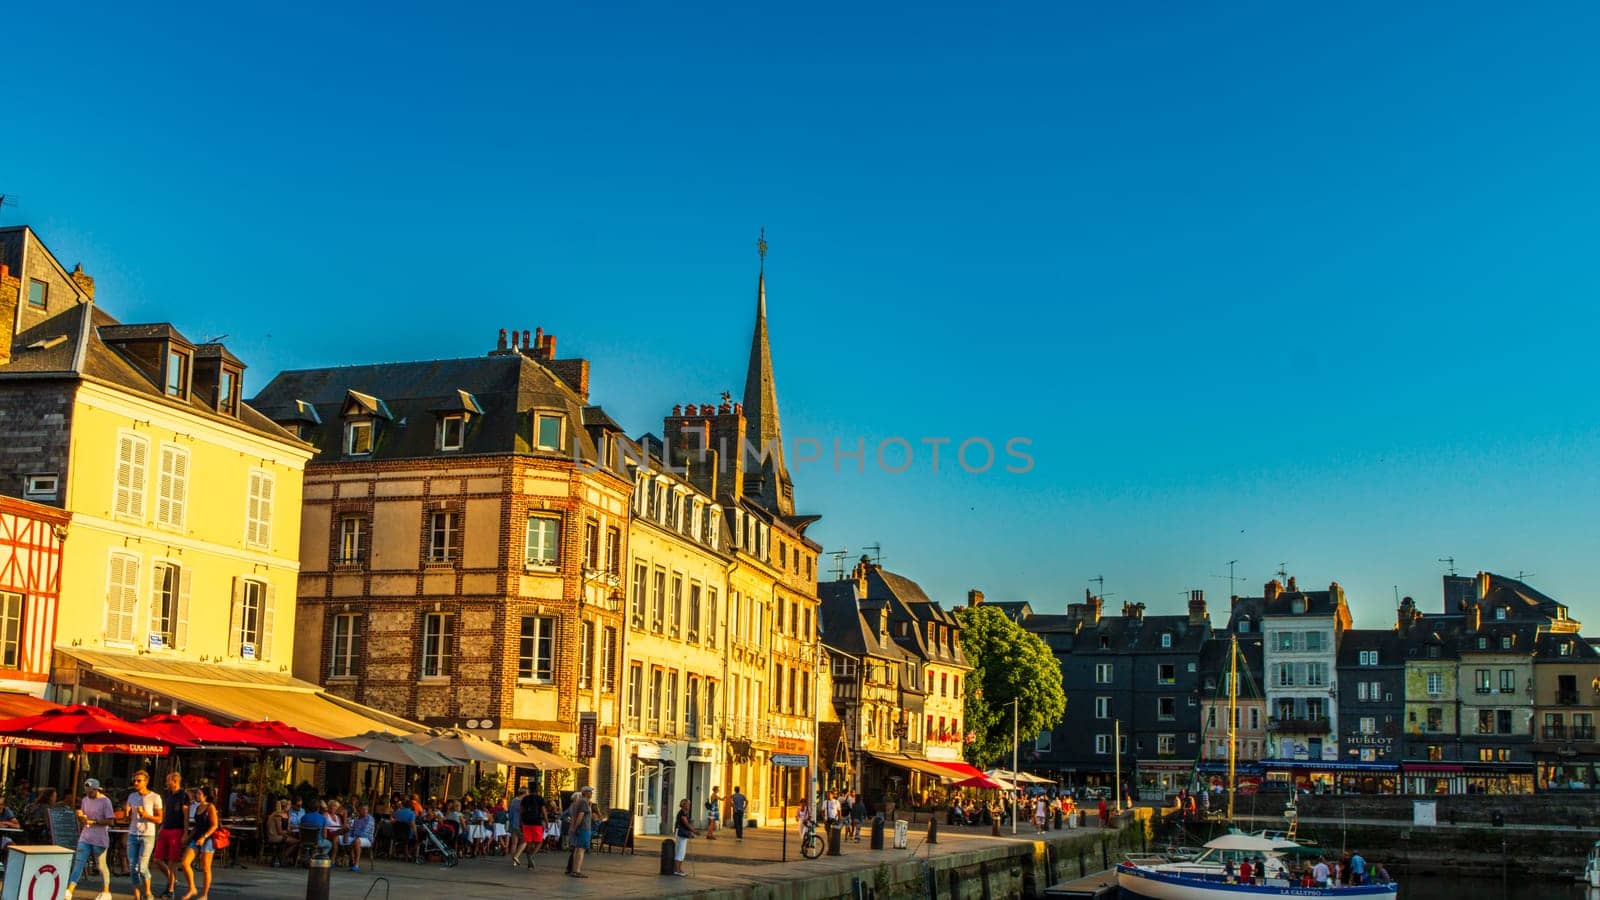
[1453, 887]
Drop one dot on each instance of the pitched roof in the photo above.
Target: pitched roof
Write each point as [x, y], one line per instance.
[1356, 640]
[83, 352]
[508, 388]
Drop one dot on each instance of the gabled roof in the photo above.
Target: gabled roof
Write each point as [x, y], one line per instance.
[1548, 649]
[847, 624]
[1384, 640]
[908, 603]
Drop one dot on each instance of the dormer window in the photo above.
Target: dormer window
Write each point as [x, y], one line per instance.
[1483, 643]
[1505, 642]
[177, 374]
[358, 437]
[547, 429]
[228, 392]
[38, 294]
[1564, 648]
[452, 432]
[1499, 613]
[1166, 641]
[1297, 606]
[1244, 625]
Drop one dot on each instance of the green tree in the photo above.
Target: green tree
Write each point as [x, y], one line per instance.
[1008, 664]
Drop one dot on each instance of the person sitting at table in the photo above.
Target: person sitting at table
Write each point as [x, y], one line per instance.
[281, 839]
[316, 819]
[36, 815]
[334, 813]
[403, 824]
[297, 810]
[358, 834]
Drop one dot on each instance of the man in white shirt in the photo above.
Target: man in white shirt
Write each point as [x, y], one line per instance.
[830, 809]
[1319, 873]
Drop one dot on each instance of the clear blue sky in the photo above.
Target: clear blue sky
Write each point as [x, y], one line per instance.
[1259, 281]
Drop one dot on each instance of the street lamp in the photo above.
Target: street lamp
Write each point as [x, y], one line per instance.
[1014, 711]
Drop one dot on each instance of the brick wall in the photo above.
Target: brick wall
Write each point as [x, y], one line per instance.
[1575, 809]
[36, 420]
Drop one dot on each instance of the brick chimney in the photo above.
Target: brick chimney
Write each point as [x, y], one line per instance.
[859, 573]
[974, 597]
[1095, 605]
[1483, 585]
[1474, 617]
[1406, 615]
[1290, 587]
[85, 283]
[689, 436]
[1272, 590]
[1197, 608]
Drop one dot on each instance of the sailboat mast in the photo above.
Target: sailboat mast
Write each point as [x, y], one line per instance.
[1233, 717]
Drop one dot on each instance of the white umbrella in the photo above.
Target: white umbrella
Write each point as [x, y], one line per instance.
[376, 746]
[1018, 777]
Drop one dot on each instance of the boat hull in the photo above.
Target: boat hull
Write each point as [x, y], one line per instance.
[1144, 884]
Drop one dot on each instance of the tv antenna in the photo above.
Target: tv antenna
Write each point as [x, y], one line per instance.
[1521, 575]
[877, 553]
[1451, 560]
[1283, 573]
[839, 557]
[8, 200]
[1231, 578]
[1101, 580]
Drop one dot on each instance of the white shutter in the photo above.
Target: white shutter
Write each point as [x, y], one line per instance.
[132, 458]
[180, 628]
[266, 509]
[122, 597]
[269, 601]
[258, 531]
[173, 487]
[236, 618]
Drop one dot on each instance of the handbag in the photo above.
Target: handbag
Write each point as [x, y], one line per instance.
[221, 838]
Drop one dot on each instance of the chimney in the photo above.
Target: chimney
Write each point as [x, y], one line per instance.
[549, 346]
[1095, 605]
[1483, 585]
[538, 341]
[1233, 600]
[1197, 608]
[524, 340]
[500, 345]
[85, 283]
[687, 437]
[1474, 617]
[883, 622]
[1406, 615]
[974, 597]
[860, 575]
[1290, 587]
[1272, 590]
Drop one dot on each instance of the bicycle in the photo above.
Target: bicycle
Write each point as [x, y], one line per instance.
[811, 843]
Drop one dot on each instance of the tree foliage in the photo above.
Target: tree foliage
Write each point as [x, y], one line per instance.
[1008, 664]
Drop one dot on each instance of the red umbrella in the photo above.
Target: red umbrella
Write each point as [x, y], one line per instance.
[88, 725]
[979, 781]
[195, 729]
[271, 735]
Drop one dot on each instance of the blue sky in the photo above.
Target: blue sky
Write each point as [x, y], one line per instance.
[1263, 282]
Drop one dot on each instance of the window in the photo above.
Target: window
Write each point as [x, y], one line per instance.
[711, 616]
[1102, 673]
[608, 659]
[1102, 707]
[38, 293]
[177, 374]
[1486, 721]
[1102, 743]
[1286, 640]
[358, 437]
[586, 655]
[1375, 689]
[173, 487]
[1508, 681]
[635, 693]
[169, 607]
[1166, 641]
[352, 539]
[1041, 742]
[591, 545]
[1255, 719]
[346, 645]
[654, 710]
[1435, 684]
[1483, 643]
[536, 650]
[547, 431]
[41, 487]
[544, 541]
[228, 392]
[1435, 718]
[1505, 642]
[1435, 752]
[658, 602]
[133, 453]
[438, 631]
[1166, 708]
[10, 629]
[1314, 641]
[1483, 681]
[452, 432]
[694, 612]
[614, 551]
[1166, 673]
[1499, 613]
[122, 597]
[677, 604]
[252, 619]
[640, 576]
[1166, 744]
[1361, 691]
[1369, 725]
[1211, 717]
[1502, 721]
[1369, 657]
[444, 536]
[258, 513]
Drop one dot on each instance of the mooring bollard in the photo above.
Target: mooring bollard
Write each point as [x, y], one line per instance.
[994, 826]
[877, 832]
[669, 852]
[933, 831]
[318, 878]
[835, 835]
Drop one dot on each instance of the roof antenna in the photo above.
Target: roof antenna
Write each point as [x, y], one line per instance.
[1524, 576]
[1451, 560]
[1232, 592]
[8, 200]
[838, 562]
[877, 554]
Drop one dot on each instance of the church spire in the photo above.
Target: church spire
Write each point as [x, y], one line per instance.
[766, 475]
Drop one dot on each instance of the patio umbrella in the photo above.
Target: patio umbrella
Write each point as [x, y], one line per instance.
[78, 727]
[270, 735]
[984, 781]
[1018, 777]
[194, 729]
[467, 747]
[544, 760]
[377, 746]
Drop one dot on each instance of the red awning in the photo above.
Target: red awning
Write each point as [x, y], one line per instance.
[960, 768]
[1427, 768]
[14, 705]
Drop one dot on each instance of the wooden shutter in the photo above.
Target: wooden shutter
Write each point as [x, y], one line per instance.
[236, 618]
[132, 458]
[264, 527]
[122, 597]
[268, 601]
[180, 628]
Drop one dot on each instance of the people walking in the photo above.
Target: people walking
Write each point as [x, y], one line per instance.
[202, 826]
[144, 817]
[713, 814]
[581, 814]
[737, 804]
[683, 830]
[95, 813]
[169, 841]
[533, 814]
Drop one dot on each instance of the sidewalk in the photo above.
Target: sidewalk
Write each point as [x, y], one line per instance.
[712, 864]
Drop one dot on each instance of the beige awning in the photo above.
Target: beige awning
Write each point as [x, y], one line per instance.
[915, 765]
[228, 694]
[544, 760]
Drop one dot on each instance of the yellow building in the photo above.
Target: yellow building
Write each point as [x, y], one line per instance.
[674, 646]
[185, 506]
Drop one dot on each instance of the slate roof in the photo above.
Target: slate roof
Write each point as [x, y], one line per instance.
[847, 624]
[1317, 603]
[908, 602]
[508, 387]
[1384, 640]
[1017, 611]
[1214, 662]
[1548, 649]
[1426, 631]
[86, 354]
[1142, 634]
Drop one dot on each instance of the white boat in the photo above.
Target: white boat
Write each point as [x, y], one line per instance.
[1208, 878]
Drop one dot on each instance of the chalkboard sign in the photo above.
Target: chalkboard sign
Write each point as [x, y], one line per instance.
[63, 824]
[618, 829]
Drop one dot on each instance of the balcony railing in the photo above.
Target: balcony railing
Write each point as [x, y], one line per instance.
[691, 729]
[1568, 732]
[1582, 732]
[1567, 698]
[1555, 732]
[1298, 725]
[633, 722]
